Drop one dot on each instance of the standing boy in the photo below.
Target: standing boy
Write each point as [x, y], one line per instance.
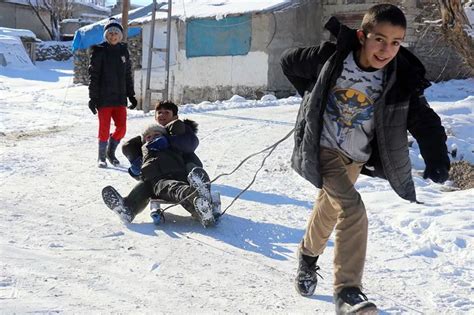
[360, 96]
[110, 84]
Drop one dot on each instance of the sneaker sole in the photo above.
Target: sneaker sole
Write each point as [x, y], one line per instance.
[114, 202]
[199, 180]
[204, 211]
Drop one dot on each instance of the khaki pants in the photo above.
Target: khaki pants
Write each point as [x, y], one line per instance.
[340, 207]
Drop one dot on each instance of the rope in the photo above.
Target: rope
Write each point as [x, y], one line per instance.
[271, 148]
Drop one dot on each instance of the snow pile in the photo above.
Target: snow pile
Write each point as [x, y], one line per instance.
[13, 54]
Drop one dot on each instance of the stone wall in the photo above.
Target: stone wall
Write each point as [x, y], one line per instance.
[82, 59]
[58, 51]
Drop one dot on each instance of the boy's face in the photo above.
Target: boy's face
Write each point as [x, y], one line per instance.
[164, 116]
[152, 136]
[380, 45]
[113, 38]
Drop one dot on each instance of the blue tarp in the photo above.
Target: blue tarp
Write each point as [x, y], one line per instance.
[94, 34]
[230, 36]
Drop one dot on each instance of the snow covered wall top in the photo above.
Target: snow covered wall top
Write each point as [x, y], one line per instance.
[93, 34]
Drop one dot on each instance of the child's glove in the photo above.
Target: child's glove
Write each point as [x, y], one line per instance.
[135, 168]
[158, 144]
[438, 174]
[133, 102]
[93, 106]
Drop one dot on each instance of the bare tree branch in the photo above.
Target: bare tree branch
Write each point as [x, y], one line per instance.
[57, 9]
[36, 8]
[454, 27]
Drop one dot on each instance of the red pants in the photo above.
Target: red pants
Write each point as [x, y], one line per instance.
[119, 116]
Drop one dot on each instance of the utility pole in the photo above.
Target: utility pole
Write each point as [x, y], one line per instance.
[125, 9]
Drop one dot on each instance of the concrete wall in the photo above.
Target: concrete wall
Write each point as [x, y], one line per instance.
[219, 77]
[22, 17]
[206, 78]
[294, 27]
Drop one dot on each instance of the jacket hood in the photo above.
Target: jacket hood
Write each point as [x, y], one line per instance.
[192, 124]
[410, 69]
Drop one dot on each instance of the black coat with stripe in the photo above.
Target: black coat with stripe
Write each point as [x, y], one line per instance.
[110, 75]
[313, 71]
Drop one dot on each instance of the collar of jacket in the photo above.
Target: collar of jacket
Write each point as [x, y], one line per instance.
[410, 70]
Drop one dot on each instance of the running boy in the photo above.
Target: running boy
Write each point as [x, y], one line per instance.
[360, 96]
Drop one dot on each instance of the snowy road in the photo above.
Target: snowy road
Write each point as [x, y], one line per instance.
[63, 251]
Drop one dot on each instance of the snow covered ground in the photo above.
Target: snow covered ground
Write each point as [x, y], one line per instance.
[63, 251]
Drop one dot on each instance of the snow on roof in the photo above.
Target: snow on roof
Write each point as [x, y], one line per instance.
[185, 9]
[41, 4]
[91, 34]
[17, 32]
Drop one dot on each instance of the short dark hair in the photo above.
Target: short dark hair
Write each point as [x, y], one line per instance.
[169, 105]
[380, 13]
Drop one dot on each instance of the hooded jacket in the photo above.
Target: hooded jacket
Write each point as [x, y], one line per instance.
[313, 71]
[172, 164]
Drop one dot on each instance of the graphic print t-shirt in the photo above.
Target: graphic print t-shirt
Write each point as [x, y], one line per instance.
[349, 117]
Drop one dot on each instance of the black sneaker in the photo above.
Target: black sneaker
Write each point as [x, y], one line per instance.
[115, 202]
[306, 277]
[353, 301]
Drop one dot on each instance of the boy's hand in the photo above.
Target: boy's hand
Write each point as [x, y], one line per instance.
[133, 102]
[93, 106]
[158, 144]
[436, 174]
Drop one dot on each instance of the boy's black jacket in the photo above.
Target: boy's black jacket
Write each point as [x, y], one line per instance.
[402, 106]
[110, 74]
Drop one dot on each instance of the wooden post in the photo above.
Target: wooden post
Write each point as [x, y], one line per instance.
[125, 9]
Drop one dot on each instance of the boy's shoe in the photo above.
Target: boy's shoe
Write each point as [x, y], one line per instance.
[200, 181]
[306, 276]
[203, 209]
[102, 163]
[353, 301]
[115, 202]
[110, 153]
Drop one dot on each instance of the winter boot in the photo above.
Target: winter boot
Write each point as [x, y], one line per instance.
[115, 202]
[306, 277]
[204, 211]
[102, 163]
[200, 181]
[111, 147]
[353, 301]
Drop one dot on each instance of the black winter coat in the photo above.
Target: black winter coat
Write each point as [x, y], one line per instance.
[402, 106]
[183, 142]
[110, 75]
